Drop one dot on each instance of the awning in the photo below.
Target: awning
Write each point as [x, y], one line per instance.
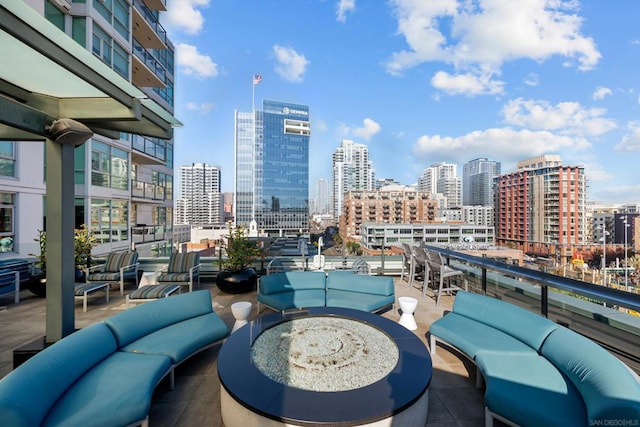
[46, 75]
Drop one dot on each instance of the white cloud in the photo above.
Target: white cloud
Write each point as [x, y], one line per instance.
[532, 79]
[369, 128]
[596, 172]
[601, 93]
[483, 35]
[564, 117]
[291, 65]
[631, 141]
[466, 84]
[202, 108]
[183, 15]
[506, 144]
[194, 63]
[344, 6]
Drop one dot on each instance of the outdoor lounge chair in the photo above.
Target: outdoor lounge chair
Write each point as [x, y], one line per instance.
[118, 268]
[183, 269]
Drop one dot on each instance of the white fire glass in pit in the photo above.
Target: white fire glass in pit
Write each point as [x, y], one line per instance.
[324, 354]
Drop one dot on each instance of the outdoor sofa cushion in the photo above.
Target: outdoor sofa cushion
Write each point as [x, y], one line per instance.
[360, 292]
[176, 326]
[292, 289]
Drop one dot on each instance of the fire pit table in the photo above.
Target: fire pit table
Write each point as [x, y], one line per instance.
[328, 366]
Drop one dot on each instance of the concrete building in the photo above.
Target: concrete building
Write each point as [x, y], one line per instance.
[477, 182]
[272, 169]
[392, 205]
[376, 235]
[442, 178]
[351, 170]
[479, 215]
[542, 202]
[123, 179]
[200, 201]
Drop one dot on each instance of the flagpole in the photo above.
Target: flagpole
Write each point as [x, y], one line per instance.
[253, 151]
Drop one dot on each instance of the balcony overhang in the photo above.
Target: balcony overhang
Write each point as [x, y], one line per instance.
[142, 75]
[51, 76]
[144, 32]
[140, 158]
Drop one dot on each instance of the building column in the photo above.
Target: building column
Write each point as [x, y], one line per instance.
[60, 222]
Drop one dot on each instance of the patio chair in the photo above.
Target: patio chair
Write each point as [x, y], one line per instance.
[117, 268]
[419, 268]
[407, 259]
[441, 271]
[183, 269]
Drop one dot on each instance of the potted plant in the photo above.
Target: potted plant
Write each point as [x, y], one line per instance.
[238, 276]
[83, 241]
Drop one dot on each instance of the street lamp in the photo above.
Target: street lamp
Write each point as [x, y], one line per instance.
[604, 253]
[626, 268]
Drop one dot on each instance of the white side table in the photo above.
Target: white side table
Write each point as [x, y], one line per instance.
[148, 278]
[240, 311]
[408, 307]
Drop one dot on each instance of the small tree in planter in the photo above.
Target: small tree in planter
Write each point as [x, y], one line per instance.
[238, 276]
[83, 242]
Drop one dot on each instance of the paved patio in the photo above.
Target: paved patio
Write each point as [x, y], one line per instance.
[453, 398]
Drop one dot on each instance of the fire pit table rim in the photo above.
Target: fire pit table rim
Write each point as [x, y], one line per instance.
[400, 389]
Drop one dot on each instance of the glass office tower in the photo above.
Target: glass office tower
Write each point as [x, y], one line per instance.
[272, 169]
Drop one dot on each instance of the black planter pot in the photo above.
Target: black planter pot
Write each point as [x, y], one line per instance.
[37, 284]
[237, 282]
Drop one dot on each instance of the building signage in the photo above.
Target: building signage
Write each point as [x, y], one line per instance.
[287, 110]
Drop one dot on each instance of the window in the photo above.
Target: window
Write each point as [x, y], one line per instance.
[116, 13]
[109, 220]
[54, 15]
[109, 166]
[7, 233]
[7, 158]
[110, 52]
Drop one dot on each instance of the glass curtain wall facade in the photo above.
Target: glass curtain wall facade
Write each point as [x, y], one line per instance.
[272, 168]
[124, 186]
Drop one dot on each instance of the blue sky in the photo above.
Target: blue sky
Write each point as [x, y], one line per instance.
[419, 82]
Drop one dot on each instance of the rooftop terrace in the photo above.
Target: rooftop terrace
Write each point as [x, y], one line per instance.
[453, 398]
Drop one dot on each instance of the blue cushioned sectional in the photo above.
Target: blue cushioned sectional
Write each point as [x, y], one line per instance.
[303, 289]
[105, 374]
[536, 371]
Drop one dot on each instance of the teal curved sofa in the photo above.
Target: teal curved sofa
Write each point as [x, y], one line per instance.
[536, 371]
[346, 289]
[105, 374]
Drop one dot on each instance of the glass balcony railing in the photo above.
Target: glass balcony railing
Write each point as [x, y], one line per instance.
[145, 190]
[149, 61]
[149, 146]
[148, 233]
[151, 19]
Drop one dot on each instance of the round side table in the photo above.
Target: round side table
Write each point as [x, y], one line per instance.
[240, 311]
[408, 307]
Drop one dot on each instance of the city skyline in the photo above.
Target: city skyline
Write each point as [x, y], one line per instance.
[419, 82]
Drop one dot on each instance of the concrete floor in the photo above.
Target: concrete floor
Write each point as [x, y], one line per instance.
[195, 401]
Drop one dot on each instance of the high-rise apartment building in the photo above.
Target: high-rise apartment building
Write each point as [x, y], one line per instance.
[442, 178]
[477, 182]
[200, 201]
[272, 169]
[352, 170]
[542, 202]
[322, 201]
[391, 205]
[123, 180]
